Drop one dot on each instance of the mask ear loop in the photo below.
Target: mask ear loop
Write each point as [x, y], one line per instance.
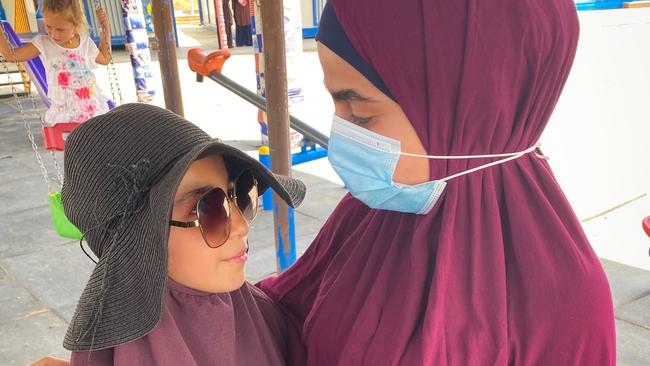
[508, 157]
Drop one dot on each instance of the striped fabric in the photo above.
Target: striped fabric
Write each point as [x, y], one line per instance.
[21, 22]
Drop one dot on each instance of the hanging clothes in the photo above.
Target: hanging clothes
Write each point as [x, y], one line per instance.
[499, 272]
[243, 35]
[227, 17]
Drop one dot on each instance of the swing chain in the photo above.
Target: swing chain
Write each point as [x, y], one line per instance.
[112, 73]
[23, 116]
[57, 166]
[112, 76]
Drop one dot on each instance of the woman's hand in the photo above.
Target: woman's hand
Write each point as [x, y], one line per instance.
[50, 361]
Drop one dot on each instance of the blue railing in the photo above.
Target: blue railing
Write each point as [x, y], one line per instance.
[600, 4]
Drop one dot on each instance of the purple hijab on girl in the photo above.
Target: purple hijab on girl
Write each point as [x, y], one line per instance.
[498, 271]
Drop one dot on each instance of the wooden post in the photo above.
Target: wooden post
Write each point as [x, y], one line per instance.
[278, 118]
[164, 29]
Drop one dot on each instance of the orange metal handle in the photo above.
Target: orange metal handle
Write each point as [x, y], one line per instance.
[204, 64]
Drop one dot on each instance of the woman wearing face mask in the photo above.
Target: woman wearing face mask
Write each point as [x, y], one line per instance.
[455, 246]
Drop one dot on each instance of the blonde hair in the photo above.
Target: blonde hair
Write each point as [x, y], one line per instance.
[70, 9]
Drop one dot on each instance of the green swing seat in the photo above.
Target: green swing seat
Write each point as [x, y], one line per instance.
[62, 225]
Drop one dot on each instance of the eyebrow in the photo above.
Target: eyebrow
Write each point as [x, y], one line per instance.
[193, 193]
[349, 95]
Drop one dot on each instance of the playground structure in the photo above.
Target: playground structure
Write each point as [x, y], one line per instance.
[53, 135]
[278, 112]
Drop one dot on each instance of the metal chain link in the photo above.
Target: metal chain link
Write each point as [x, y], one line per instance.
[112, 73]
[19, 105]
[39, 116]
[112, 76]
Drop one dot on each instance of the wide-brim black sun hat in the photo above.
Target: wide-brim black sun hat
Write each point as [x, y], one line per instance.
[122, 170]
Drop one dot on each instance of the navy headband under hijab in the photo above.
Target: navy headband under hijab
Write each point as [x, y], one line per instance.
[331, 34]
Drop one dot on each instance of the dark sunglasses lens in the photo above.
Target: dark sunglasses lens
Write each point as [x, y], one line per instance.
[247, 197]
[213, 211]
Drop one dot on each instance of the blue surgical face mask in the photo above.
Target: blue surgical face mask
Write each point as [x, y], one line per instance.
[366, 162]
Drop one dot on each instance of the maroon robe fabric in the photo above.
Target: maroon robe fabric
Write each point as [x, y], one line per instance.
[500, 271]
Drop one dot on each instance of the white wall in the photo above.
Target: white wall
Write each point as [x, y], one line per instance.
[599, 136]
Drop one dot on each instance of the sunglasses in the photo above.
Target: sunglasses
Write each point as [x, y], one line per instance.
[213, 211]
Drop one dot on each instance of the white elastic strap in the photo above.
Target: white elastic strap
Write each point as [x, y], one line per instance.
[450, 157]
[510, 157]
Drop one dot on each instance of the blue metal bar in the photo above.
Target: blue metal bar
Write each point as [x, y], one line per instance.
[34, 66]
[265, 159]
[600, 4]
[171, 3]
[309, 32]
[304, 156]
[307, 155]
[207, 9]
[286, 259]
[201, 12]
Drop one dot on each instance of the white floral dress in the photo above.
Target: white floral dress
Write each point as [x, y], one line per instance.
[72, 86]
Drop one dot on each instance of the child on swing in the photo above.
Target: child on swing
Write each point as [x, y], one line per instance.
[166, 210]
[70, 58]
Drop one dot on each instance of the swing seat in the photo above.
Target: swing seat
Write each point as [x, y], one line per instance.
[62, 225]
[54, 136]
[646, 225]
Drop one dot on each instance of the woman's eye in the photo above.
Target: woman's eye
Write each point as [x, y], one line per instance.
[359, 120]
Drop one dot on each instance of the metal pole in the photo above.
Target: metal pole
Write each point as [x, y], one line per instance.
[278, 117]
[164, 29]
[297, 124]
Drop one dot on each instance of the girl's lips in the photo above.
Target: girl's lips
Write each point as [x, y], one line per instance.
[241, 257]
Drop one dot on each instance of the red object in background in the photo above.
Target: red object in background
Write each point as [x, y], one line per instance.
[54, 136]
[646, 225]
[204, 64]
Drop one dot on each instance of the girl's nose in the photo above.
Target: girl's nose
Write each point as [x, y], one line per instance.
[239, 226]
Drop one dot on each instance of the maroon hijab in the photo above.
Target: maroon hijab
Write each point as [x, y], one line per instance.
[500, 271]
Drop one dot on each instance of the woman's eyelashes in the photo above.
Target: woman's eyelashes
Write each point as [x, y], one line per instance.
[360, 120]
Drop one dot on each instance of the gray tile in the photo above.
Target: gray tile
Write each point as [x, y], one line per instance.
[261, 231]
[31, 338]
[627, 283]
[16, 301]
[321, 200]
[303, 242]
[261, 264]
[28, 231]
[632, 345]
[636, 312]
[27, 157]
[20, 194]
[11, 170]
[307, 225]
[57, 276]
